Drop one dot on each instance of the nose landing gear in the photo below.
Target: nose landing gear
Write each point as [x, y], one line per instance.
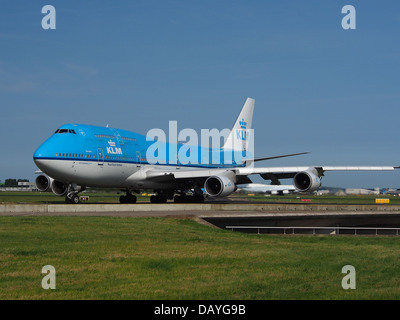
[72, 194]
[72, 198]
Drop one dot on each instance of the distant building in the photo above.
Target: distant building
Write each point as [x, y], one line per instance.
[22, 186]
[362, 191]
[394, 192]
[340, 193]
[322, 192]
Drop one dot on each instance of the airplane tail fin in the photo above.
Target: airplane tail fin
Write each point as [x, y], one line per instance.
[241, 129]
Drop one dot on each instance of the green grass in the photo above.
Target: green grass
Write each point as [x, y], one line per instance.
[50, 198]
[329, 198]
[113, 197]
[156, 258]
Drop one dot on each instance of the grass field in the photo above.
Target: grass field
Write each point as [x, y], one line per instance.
[326, 198]
[113, 197]
[158, 258]
[49, 197]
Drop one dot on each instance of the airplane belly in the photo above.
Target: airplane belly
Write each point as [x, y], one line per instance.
[105, 175]
[87, 173]
[62, 170]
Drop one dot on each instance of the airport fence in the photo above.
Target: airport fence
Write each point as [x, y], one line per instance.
[334, 230]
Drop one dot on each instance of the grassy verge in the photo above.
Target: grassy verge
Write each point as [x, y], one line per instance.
[154, 258]
[50, 198]
[328, 198]
[113, 197]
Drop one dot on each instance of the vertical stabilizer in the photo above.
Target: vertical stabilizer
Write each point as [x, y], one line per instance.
[241, 128]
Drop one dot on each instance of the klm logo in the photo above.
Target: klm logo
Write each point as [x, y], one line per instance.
[112, 149]
[241, 133]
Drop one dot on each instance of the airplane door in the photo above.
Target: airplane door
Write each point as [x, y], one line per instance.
[100, 156]
[138, 158]
[118, 136]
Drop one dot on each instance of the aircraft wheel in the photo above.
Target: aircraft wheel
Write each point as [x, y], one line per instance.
[158, 199]
[189, 199]
[197, 198]
[75, 199]
[179, 199]
[131, 199]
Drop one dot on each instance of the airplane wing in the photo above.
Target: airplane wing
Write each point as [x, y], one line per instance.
[268, 173]
[305, 178]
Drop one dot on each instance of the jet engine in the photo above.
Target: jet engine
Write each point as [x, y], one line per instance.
[43, 183]
[307, 181]
[219, 186]
[59, 188]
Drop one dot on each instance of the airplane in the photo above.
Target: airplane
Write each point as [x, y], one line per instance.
[78, 156]
[267, 188]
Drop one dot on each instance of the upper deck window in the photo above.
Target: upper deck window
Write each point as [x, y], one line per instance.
[104, 136]
[129, 139]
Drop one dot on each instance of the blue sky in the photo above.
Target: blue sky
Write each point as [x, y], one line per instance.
[136, 65]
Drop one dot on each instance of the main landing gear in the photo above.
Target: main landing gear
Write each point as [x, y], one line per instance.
[163, 196]
[159, 198]
[183, 198]
[128, 198]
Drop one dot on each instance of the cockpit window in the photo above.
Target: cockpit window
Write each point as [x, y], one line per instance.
[65, 131]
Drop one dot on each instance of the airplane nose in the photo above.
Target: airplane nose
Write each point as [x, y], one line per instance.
[44, 159]
[41, 152]
[41, 155]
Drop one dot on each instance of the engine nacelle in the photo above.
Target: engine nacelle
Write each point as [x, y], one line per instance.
[219, 186]
[43, 183]
[307, 181]
[59, 188]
